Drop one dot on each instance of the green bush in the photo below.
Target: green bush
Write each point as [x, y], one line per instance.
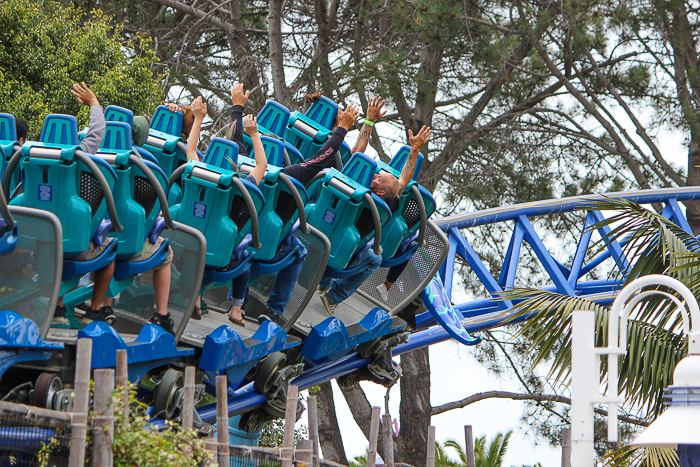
[139, 444]
[45, 48]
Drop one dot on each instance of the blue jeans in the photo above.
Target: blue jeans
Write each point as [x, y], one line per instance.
[285, 278]
[239, 289]
[343, 288]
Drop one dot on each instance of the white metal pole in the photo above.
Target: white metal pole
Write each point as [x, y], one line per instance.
[585, 384]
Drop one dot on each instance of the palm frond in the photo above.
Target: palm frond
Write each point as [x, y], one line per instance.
[646, 368]
[642, 457]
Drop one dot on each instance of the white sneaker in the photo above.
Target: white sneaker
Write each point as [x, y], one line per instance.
[330, 307]
[321, 290]
[381, 288]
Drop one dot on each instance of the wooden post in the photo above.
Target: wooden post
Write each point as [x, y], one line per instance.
[212, 446]
[83, 361]
[313, 428]
[373, 437]
[304, 454]
[290, 418]
[388, 441]
[430, 460]
[188, 398]
[469, 446]
[103, 420]
[123, 383]
[566, 447]
[222, 419]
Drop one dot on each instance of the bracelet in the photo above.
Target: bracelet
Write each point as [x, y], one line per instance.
[369, 122]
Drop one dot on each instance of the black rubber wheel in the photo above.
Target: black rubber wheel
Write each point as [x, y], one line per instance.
[264, 374]
[46, 386]
[164, 394]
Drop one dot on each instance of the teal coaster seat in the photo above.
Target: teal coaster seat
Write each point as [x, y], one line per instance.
[323, 111]
[8, 228]
[224, 208]
[167, 122]
[284, 198]
[305, 135]
[222, 153]
[347, 212]
[272, 124]
[115, 113]
[405, 232]
[139, 197]
[8, 140]
[273, 118]
[59, 177]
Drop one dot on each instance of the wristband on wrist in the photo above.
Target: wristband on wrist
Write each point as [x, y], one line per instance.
[369, 122]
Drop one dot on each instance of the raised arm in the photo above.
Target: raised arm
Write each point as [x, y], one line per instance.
[250, 122]
[374, 113]
[409, 167]
[238, 99]
[96, 130]
[199, 109]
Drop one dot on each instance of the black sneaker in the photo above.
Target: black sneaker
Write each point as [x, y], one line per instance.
[105, 314]
[269, 315]
[59, 316]
[83, 307]
[164, 321]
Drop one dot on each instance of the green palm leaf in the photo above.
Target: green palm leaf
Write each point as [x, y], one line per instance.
[651, 244]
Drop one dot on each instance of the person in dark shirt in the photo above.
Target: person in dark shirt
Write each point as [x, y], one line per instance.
[390, 189]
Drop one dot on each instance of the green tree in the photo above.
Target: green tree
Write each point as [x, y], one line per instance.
[45, 48]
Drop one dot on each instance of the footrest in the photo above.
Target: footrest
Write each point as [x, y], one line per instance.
[331, 338]
[225, 350]
[153, 345]
[125, 269]
[80, 268]
[20, 341]
[212, 275]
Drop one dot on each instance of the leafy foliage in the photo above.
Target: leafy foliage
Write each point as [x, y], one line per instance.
[484, 456]
[45, 48]
[138, 443]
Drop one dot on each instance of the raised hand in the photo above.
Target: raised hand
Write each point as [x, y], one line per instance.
[84, 94]
[420, 139]
[374, 109]
[238, 97]
[347, 117]
[250, 123]
[199, 108]
[174, 108]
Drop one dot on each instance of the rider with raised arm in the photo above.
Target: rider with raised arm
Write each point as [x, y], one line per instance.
[239, 284]
[390, 189]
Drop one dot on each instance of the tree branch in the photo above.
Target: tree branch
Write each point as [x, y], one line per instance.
[525, 397]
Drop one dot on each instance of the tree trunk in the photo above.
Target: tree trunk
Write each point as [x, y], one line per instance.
[415, 409]
[328, 429]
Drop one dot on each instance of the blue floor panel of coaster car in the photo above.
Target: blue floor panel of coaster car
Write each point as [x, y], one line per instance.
[152, 348]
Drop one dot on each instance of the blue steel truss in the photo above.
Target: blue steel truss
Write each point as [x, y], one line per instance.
[484, 314]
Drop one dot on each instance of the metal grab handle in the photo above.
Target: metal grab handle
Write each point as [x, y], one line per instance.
[177, 173]
[423, 214]
[377, 224]
[251, 208]
[5, 210]
[181, 146]
[297, 199]
[107, 191]
[8, 172]
[156, 186]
